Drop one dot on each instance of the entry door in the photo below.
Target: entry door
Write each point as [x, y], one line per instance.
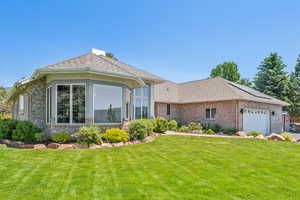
[256, 120]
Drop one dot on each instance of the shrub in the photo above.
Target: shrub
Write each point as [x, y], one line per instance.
[195, 126]
[254, 133]
[40, 137]
[149, 123]
[210, 131]
[216, 128]
[161, 125]
[6, 128]
[61, 137]
[184, 129]
[288, 137]
[172, 125]
[115, 135]
[3, 117]
[229, 131]
[89, 135]
[25, 131]
[138, 129]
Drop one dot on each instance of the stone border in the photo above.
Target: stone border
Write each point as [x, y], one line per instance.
[22, 145]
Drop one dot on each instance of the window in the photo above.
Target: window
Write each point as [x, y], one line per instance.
[21, 103]
[49, 104]
[127, 110]
[71, 104]
[168, 109]
[142, 102]
[107, 104]
[210, 113]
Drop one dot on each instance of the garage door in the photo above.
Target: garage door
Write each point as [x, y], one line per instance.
[256, 120]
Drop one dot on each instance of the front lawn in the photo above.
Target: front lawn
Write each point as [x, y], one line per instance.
[172, 167]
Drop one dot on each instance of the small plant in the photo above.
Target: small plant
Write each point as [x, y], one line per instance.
[25, 131]
[40, 137]
[229, 131]
[216, 128]
[210, 132]
[288, 137]
[115, 135]
[138, 130]
[89, 135]
[61, 137]
[195, 126]
[254, 133]
[184, 129]
[161, 125]
[172, 125]
[7, 127]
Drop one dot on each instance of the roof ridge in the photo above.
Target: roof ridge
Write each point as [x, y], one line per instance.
[204, 79]
[107, 58]
[102, 57]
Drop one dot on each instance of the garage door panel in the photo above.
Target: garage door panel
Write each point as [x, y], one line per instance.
[256, 120]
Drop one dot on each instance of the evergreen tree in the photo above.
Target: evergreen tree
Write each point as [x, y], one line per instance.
[271, 79]
[294, 90]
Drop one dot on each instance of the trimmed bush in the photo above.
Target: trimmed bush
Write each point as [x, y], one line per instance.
[61, 137]
[229, 131]
[195, 126]
[161, 125]
[25, 131]
[89, 135]
[40, 137]
[115, 135]
[254, 133]
[6, 128]
[172, 125]
[138, 130]
[288, 137]
[210, 131]
[184, 129]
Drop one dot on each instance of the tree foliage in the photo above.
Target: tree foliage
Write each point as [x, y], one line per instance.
[245, 81]
[271, 79]
[4, 106]
[110, 55]
[227, 70]
[294, 90]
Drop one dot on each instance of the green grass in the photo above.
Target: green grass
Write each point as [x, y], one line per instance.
[172, 167]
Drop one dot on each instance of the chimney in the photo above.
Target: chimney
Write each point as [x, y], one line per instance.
[98, 52]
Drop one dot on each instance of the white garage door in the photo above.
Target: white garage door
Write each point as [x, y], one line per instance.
[256, 120]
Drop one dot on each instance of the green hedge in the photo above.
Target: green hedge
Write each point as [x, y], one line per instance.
[6, 128]
[25, 131]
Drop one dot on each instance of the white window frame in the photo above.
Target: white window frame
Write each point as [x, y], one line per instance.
[142, 98]
[210, 114]
[122, 93]
[71, 103]
[48, 121]
[21, 102]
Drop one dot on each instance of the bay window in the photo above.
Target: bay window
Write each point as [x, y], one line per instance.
[142, 102]
[70, 104]
[107, 104]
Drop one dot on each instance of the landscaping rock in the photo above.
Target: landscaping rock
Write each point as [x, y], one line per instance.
[96, 147]
[197, 132]
[66, 146]
[260, 137]
[80, 146]
[275, 137]
[118, 144]
[106, 145]
[40, 146]
[5, 141]
[241, 134]
[17, 144]
[27, 146]
[53, 145]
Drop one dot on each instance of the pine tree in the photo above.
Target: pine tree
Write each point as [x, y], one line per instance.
[294, 90]
[271, 79]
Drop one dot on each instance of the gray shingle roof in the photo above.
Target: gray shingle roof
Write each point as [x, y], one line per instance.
[103, 64]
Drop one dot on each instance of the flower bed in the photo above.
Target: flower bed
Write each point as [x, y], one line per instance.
[22, 145]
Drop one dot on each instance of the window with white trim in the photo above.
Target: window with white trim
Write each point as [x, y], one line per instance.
[107, 104]
[70, 104]
[21, 103]
[49, 104]
[142, 102]
[210, 113]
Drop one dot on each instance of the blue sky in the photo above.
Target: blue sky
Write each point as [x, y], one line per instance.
[178, 40]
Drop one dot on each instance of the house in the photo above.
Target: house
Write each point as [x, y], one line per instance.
[93, 89]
